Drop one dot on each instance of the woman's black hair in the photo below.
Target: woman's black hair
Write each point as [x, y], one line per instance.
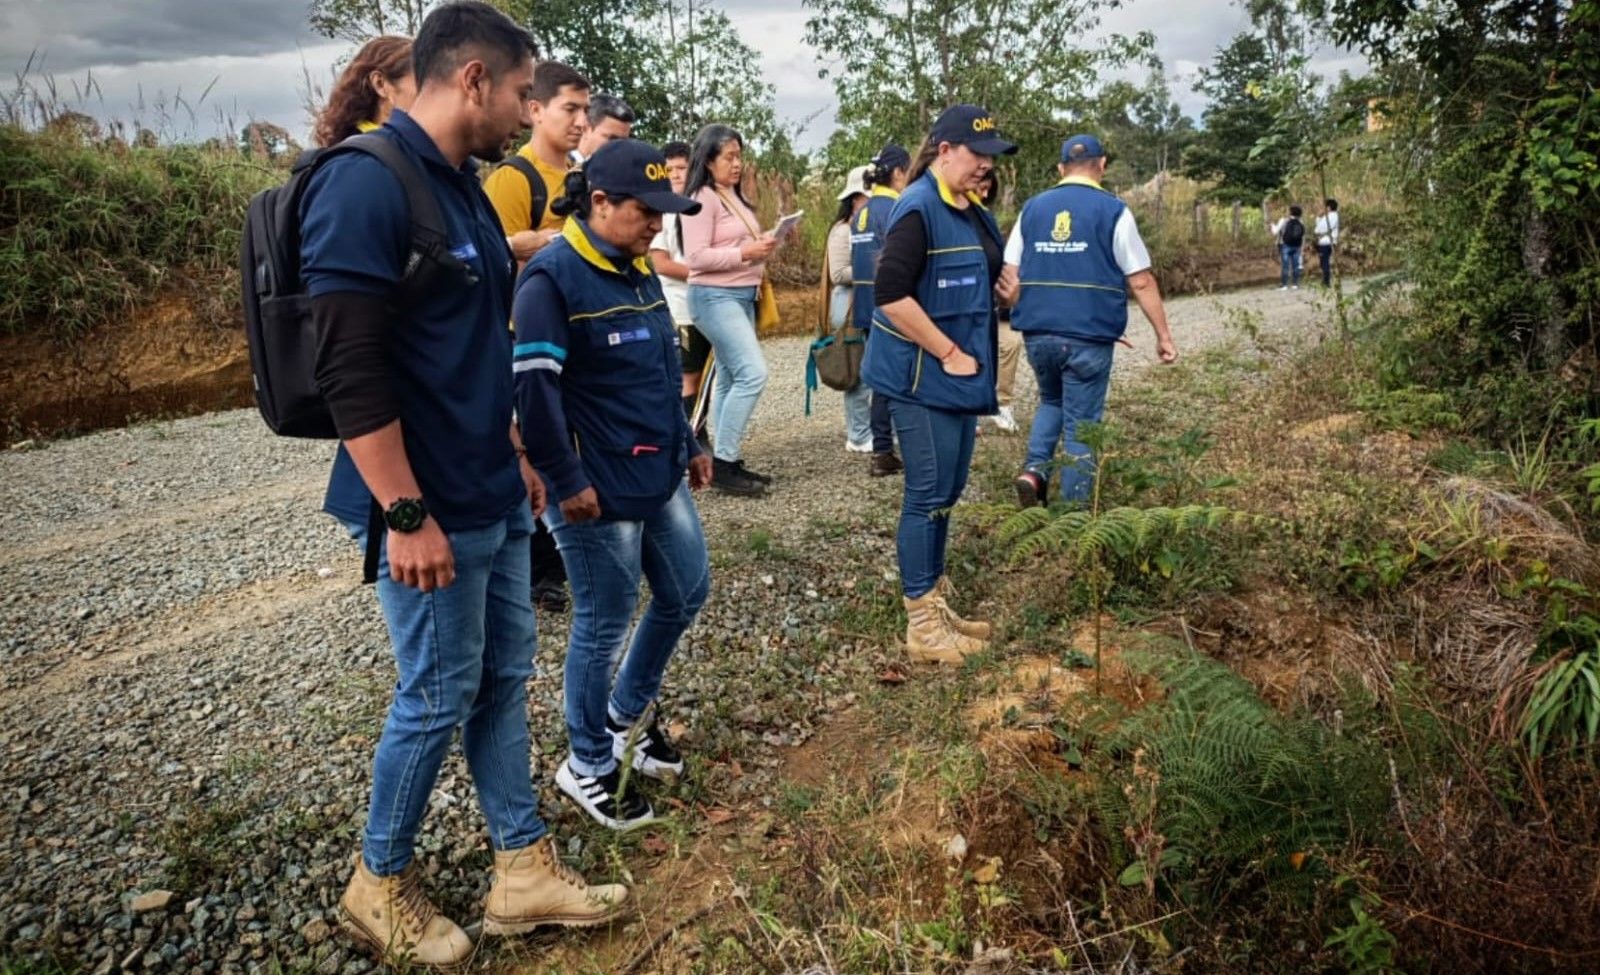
[708, 146]
[880, 170]
[847, 209]
[577, 198]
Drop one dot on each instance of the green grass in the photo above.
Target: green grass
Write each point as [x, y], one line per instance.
[90, 229]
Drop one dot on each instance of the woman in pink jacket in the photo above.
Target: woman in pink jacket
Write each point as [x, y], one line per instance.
[726, 253]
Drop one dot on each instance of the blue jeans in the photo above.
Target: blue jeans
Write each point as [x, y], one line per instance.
[1291, 262]
[937, 449]
[604, 562]
[1073, 375]
[1325, 258]
[857, 401]
[464, 654]
[882, 427]
[727, 318]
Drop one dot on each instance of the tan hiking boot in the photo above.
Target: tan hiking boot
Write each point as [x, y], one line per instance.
[532, 888]
[931, 637]
[977, 629]
[393, 917]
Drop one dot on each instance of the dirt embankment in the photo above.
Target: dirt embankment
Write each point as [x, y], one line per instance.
[170, 358]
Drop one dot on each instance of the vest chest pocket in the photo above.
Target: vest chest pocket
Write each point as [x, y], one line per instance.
[622, 352]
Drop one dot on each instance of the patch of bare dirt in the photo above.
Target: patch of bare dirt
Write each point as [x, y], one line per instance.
[170, 357]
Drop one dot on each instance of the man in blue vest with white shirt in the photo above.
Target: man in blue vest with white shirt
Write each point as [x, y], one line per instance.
[1078, 255]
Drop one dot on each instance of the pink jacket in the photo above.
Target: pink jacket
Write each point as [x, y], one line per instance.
[712, 239]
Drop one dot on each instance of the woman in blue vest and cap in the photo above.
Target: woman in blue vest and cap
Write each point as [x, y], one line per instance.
[598, 381]
[932, 354]
[887, 175]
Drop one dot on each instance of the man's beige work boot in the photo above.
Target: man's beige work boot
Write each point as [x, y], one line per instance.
[393, 917]
[533, 888]
[931, 637]
[977, 629]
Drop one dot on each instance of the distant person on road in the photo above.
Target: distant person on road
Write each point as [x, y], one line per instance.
[1077, 254]
[727, 256]
[1010, 342]
[1290, 233]
[1327, 232]
[840, 292]
[523, 190]
[933, 355]
[666, 254]
[377, 81]
[608, 118]
[597, 384]
[421, 397]
[886, 177]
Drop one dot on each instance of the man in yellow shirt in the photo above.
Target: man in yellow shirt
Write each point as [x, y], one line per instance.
[559, 107]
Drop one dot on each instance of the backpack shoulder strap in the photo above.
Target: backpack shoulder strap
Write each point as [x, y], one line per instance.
[540, 192]
[430, 238]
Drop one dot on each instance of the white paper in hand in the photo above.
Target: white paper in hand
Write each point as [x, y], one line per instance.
[786, 225]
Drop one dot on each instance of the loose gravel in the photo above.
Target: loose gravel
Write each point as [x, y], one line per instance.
[192, 677]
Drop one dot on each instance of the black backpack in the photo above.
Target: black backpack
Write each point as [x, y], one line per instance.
[1294, 232]
[277, 311]
[541, 193]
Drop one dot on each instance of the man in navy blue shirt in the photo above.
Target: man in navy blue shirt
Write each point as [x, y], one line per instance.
[421, 397]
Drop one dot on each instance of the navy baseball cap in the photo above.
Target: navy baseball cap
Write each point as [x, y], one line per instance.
[892, 157]
[1081, 147]
[973, 127]
[629, 167]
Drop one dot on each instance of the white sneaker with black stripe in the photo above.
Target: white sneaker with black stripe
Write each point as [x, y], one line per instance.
[653, 752]
[605, 798]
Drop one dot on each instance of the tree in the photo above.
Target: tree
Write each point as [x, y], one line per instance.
[678, 63]
[896, 63]
[358, 21]
[1144, 130]
[1236, 118]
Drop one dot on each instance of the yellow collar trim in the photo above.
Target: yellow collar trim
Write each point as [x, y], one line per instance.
[572, 232]
[1079, 181]
[886, 191]
[949, 197]
[366, 125]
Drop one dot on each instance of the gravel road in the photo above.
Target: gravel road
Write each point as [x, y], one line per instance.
[192, 676]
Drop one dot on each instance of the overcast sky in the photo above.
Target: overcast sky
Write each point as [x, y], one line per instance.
[149, 58]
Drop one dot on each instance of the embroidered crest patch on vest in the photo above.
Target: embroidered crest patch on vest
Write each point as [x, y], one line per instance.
[1062, 231]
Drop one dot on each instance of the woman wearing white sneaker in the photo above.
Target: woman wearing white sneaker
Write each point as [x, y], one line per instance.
[597, 370]
[841, 285]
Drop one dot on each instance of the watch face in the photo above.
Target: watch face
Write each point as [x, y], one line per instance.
[405, 515]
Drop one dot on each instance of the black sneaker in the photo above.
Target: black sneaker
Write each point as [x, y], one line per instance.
[886, 464]
[1030, 490]
[653, 752]
[729, 477]
[753, 475]
[605, 799]
[550, 596]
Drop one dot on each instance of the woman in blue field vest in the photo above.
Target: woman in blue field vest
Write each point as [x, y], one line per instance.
[598, 383]
[887, 175]
[933, 353]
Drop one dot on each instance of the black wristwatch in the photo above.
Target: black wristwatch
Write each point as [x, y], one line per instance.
[405, 515]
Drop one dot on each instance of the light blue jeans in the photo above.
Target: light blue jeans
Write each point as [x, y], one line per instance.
[605, 560]
[464, 654]
[727, 318]
[937, 448]
[1073, 376]
[858, 401]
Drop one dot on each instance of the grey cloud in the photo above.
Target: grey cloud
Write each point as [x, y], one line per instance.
[75, 34]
